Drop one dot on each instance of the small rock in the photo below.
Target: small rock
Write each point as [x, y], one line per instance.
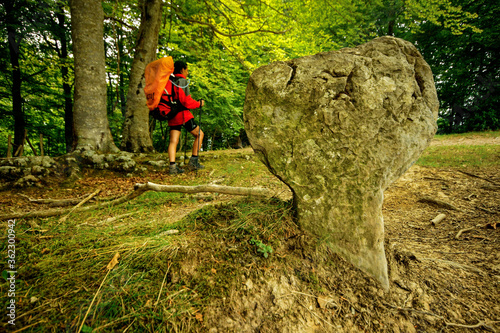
[36, 170]
[249, 284]
[160, 163]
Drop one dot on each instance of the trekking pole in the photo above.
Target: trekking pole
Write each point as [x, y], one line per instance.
[199, 137]
[185, 140]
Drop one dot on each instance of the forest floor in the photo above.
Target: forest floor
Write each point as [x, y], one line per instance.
[220, 263]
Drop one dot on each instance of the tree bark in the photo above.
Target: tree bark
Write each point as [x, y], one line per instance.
[14, 40]
[136, 125]
[68, 101]
[91, 126]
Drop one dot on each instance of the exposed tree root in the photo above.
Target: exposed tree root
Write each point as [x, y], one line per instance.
[483, 324]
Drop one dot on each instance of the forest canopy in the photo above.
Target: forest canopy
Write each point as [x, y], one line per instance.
[223, 42]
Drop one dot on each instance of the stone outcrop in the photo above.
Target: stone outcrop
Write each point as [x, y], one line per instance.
[29, 171]
[338, 128]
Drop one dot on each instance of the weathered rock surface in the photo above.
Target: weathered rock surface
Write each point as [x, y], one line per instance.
[338, 128]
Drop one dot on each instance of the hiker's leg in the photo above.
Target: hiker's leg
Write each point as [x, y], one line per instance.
[198, 134]
[172, 146]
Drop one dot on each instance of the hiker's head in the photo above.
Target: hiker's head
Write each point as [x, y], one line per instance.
[179, 67]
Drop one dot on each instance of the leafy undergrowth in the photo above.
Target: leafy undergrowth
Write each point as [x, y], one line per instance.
[215, 263]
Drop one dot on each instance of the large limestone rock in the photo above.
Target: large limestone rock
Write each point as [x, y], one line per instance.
[338, 128]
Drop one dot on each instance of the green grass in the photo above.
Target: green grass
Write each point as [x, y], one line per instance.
[487, 134]
[459, 156]
[64, 271]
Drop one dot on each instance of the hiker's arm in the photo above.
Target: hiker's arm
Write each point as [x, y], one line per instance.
[188, 101]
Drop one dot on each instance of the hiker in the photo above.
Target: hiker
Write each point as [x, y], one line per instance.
[184, 118]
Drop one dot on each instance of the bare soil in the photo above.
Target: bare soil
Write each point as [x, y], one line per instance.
[444, 277]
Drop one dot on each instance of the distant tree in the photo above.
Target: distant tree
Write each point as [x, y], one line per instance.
[467, 69]
[135, 135]
[57, 36]
[91, 127]
[14, 11]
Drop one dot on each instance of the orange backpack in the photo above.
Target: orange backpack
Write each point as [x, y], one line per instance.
[157, 74]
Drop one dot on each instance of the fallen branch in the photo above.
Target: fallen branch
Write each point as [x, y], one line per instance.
[140, 189]
[439, 203]
[53, 202]
[254, 191]
[476, 176]
[56, 212]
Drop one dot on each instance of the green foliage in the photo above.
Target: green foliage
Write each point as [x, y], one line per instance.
[223, 42]
[466, 69]
[262, 248]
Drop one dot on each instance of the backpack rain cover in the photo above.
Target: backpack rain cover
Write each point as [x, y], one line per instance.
[157, 74]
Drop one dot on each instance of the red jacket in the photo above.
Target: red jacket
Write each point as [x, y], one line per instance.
[183, 95]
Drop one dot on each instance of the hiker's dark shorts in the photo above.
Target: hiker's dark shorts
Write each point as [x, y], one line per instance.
[190, 125]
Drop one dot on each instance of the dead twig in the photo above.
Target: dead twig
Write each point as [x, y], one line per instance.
[439, 203]
[460, 232]
[113, 219]
[162, 284]
[110, 266]
[53, 202]
[26, 327]
[486, 210]
[479, 177]
[64, 218]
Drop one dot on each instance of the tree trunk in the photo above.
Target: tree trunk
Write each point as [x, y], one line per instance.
[17, 104]
[136, 125]
[91, 127]
[68, 101]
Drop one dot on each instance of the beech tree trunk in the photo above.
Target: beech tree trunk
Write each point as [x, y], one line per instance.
[91, 127]
[135, 134]
[68, 100]
[14, 40]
